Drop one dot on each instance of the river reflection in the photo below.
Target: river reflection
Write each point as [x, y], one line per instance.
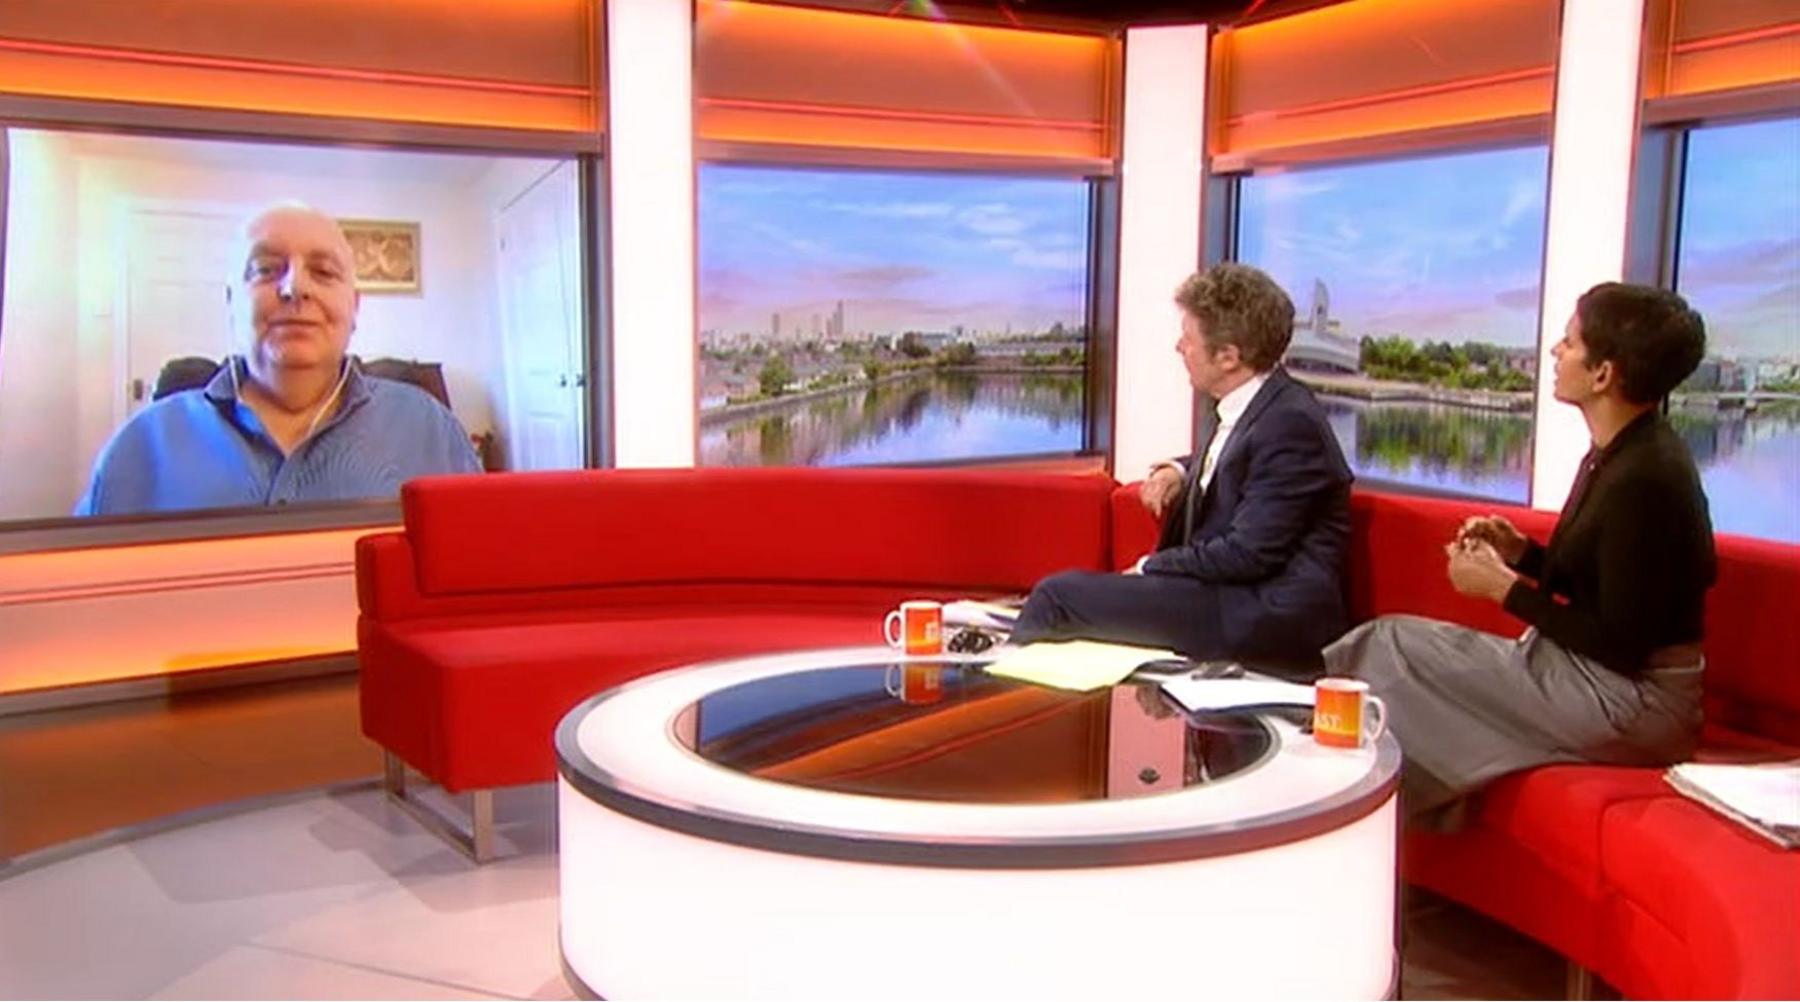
[1749, 464]
[1749, 461]
[933, 416]
[1436, 445]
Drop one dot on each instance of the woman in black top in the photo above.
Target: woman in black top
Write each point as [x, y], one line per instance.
[1609, 668]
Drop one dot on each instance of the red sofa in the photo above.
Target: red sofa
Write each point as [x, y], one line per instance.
[508, 598]
[1607, 865]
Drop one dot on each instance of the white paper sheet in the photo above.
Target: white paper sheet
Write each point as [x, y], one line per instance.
[1216, 695]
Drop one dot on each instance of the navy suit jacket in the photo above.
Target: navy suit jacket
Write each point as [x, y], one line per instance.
[1270, 532]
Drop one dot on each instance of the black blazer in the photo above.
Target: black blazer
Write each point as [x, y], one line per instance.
[1271, 531]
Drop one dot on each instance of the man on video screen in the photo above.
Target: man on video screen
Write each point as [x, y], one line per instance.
[291, 419]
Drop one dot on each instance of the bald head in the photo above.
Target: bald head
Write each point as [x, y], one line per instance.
[294, 298]
[292, 219]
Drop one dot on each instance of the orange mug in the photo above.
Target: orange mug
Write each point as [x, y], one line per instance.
[916, 627]
[1341, 711]
[915, 684]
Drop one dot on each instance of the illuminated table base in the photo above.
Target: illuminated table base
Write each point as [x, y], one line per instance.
[650, 911]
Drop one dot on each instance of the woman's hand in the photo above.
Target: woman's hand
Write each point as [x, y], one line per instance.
[1477, 571]
[1158, 490]
[1495, 531]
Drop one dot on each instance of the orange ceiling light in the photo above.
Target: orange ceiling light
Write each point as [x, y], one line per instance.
[523, 64]
[1375, 68]
[790, 76]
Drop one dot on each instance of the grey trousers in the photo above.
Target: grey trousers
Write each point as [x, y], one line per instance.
[1468, 707]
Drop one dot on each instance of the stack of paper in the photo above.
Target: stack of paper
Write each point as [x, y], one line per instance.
[1764, 798]
[1228, 695]
[1080, 665]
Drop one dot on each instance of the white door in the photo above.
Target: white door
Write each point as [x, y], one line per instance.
[177, 264]
[540, 290]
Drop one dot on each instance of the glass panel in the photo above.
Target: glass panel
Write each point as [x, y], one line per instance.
[1740, 267]
[857, 318]
[1415, 284]
[132, 274]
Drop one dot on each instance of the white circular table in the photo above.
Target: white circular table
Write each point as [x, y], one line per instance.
[816, 825]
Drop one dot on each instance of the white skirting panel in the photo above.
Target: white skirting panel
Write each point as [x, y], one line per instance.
[1596, 131]
[1161, 175]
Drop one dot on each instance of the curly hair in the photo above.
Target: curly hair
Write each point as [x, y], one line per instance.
[1240, 305]
[1650, 335]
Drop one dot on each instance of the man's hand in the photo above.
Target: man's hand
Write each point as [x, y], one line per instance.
[1477, 571]
[1159, 489]
[1495, 531]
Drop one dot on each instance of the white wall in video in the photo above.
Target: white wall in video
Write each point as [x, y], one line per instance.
[180, 318]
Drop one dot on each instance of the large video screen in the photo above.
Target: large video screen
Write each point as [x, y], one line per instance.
[1417, 284]
[859, 317]
[194, 325]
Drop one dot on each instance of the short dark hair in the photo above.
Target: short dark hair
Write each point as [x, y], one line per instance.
[1240, 305]
[1651, 336]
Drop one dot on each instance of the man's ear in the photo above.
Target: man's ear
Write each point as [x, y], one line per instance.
[1605, 376]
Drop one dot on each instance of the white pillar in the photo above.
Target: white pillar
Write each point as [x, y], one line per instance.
[1597, 101]
[1160, 179]
[650, 216]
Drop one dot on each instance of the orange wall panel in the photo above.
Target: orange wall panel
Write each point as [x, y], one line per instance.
[766, 73]
[501, 63]
[81, 616]
[1376, 67]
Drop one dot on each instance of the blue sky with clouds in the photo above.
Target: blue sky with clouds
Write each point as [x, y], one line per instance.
[1740, 237]
[1439, 248]
[904, 251]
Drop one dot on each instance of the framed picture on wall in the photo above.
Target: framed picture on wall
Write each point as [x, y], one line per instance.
[387, 254]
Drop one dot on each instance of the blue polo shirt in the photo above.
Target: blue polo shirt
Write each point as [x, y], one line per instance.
[206, 449]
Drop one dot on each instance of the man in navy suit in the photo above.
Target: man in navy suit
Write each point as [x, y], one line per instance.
[1256, 522]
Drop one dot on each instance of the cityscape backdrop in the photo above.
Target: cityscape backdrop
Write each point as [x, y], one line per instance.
[853, 317]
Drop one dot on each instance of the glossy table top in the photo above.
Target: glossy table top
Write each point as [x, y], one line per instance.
[948, 731]
[854, 753]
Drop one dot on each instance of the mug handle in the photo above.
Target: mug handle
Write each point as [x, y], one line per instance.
[888, 626]
[895, 687]
[1372, 702]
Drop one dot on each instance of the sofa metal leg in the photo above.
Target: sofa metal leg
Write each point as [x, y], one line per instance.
[1579, 983]
[473, 837]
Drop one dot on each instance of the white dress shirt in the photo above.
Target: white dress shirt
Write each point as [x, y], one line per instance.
[1231, 408]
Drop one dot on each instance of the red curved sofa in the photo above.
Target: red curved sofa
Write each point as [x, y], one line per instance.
[1655, 893]
[508, 598]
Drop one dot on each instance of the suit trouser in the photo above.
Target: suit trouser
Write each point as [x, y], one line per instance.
[1152, 610]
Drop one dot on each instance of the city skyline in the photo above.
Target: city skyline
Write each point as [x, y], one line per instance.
[924, 252]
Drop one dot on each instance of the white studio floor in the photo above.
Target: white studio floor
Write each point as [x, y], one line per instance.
[330, 895]
[335, 894]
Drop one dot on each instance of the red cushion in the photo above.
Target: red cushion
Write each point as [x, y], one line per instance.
[1752, 636]
[466, 715]
[1396, 562]
[973, 529]
[1134, 530]
[1683, 874]
[1556, 812]
[1500, 877]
